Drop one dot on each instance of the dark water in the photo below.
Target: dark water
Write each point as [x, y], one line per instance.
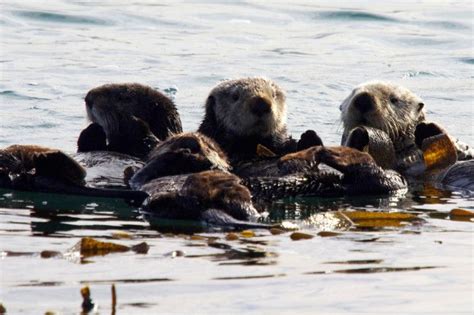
[53, 52]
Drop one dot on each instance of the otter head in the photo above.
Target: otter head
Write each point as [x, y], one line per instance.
[385, 106]
[245, 107]
[181, 154]
[105, 106]
[104, 103]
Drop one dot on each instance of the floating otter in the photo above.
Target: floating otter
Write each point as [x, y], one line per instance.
[191, 196]
[392, 109]
[181, 154]
[134, 118]
[433, 159]
[320, 171]
[36, 168]
[242, 113]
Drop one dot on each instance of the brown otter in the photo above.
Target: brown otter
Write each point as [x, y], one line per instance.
[391, 108]
[133, 138]
[133, 99]
[36, 168]
[181, 154]
[319, 171]
[242, 113]
[190, 196]
[132, 116]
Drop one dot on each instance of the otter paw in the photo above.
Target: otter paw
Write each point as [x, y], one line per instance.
[342, 158]
[308, 139]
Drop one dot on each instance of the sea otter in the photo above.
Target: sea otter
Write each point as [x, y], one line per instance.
[392, 109]
[140, 101]
[319, 171]
[42, 169]
[433, 159]
[181, 154]
[220, 198]
[191, 196]
[134, 118]
[241, 114]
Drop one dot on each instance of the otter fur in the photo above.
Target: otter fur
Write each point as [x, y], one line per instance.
[42, 169]
[134, 118]
[133, 99]
[391, 108]
[190, 196]
[242, 113]
[180, 154]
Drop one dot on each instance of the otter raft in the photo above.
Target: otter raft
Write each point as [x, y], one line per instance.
[232, 153]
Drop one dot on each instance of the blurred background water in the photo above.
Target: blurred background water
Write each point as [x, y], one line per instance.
[52, 52]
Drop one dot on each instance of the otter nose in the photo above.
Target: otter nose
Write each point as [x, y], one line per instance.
[260, 106]
[364, 102]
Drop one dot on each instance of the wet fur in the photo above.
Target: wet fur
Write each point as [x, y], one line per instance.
[181, 154]
[44, 161]
[397, 111]
[230, 121]
[189, 196]
[103, 103]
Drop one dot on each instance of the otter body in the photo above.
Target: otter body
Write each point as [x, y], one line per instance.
[320, 171]
[433, 159]
[240, 114]
[36, 168]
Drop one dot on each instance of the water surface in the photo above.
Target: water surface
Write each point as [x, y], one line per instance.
[53, 53]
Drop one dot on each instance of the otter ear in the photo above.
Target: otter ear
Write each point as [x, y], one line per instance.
[211, 102]
[420, 106]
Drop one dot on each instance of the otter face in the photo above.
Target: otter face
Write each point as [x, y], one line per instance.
[105, 106]
[381, 105]
[250, 106]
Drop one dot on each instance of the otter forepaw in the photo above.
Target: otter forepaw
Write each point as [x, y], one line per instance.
[308, 139]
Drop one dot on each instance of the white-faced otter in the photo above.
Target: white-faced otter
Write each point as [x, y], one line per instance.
[36, 168]
[181, 154]
[391, 108]
[385, 106]
[242, 113]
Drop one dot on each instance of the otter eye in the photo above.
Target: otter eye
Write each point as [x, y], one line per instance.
[235, 96]
[394, 100]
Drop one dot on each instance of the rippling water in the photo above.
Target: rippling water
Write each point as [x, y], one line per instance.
[53, 52]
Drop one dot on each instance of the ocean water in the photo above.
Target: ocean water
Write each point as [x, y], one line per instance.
[53, 52]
